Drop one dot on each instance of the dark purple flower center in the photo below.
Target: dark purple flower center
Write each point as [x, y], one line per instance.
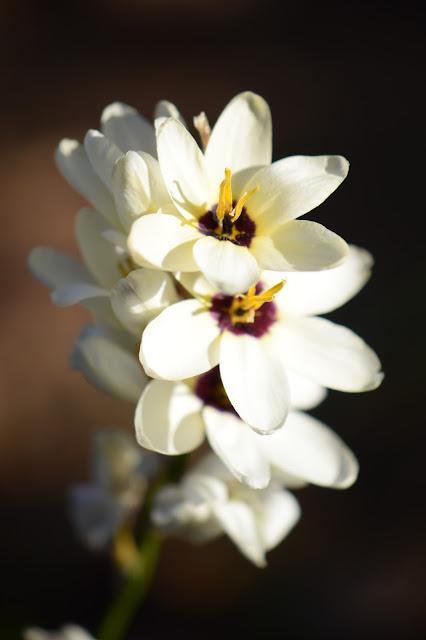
[240, 232]
[210, 390]
[231, 315]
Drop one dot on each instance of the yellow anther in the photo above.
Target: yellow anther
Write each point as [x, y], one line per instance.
[241, 202]
[244, 306]
[225, 202]
[224, 206]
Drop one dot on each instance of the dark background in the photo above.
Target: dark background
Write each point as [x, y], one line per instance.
[343, 78]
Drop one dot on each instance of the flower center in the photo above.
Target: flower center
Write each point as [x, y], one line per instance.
[251, 313]
[210, 390]
[228, 219]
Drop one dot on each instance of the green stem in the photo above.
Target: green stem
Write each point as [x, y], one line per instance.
[120, 615]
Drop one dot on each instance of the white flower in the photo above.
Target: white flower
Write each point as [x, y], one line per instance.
[234, 211]
[258, 337]
[174, 417]
[68, 632]
[88, 167]
[120, 474]
[209, 502]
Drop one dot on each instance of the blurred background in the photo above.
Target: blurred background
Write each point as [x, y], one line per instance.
[344, 78]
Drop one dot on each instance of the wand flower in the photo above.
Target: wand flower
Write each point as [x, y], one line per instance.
[234, 211]
[209, 502]
[258, 336]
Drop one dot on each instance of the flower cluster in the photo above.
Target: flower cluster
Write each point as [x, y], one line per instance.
[206, 291]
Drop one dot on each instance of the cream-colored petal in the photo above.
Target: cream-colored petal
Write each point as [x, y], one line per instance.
[168, 418]
[308, 449]
[308, 246]
[239, 523]
[183, 341]
[323, 291]
[55, 269]
[138, 186]
[165, 109]
[236, 445]
[141, 296]
[293, 186]
[108, 366]
[241, 137]
[328, 353]
[72, 161]
[183, 168]
[127, 128]
[228, 267]
[101, 257]
[254, 378]
[278, 512]
[305, 394]
[163, 241]
[103, 154]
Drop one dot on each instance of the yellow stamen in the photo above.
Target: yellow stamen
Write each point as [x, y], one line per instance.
[225, 201]
[202, 125]
[244, 310]
[224, 206]
[241, 202]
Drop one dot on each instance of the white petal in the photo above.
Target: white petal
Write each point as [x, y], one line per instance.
[124, 126]
[138, 186]
[175, 513]
[183, 168]
[236, 445]
[278, 512]
[228, 267]
[329, 354]
[196, 284]
[239, 523]
[255, 381]
[323, 291]
[163, 241]
[307, 448]
[181, 342]
[305, 394]
[309, 246]
[72, 161]
[99, 254]
[168, 418]
[165, 109]
[241, 137]
[77, 292]
[55, 269]
[293, 186]
[108, 366]
[267, 255]
[103, 154]
[141, 296]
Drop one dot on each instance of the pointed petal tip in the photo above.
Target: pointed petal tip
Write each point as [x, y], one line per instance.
[337, 166]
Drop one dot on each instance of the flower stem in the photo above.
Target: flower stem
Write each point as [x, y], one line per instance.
[120, 615]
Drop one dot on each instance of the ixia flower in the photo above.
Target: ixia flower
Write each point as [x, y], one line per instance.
[68, 632]
[209, 502]
[234, 212]
[89, 166]
[258, 336]
[173, 418]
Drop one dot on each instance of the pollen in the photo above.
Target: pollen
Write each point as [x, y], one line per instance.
[225, 205]
[244, 306]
